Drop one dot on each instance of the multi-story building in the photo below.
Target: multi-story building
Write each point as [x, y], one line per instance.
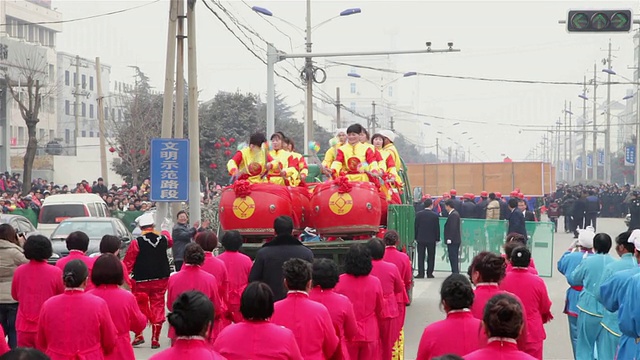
[27, 42]
[77, 100]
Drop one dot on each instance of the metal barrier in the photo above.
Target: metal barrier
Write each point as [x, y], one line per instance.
[489, 235]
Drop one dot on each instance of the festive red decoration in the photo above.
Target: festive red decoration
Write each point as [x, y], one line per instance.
[242, 188]
[226, 144]
[217, 145]
[143, 151]
[227, 152]
[132, 151]
[213, 166]
[232, 140]
[344, 186]
[223, 139]
[112, 149]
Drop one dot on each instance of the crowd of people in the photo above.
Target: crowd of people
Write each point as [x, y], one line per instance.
[614, 200]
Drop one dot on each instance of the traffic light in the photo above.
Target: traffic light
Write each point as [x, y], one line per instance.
[599, 20]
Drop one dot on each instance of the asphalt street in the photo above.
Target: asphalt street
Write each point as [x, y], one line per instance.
[426, 309]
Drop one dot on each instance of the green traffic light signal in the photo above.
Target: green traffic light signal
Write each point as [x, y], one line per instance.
[599, 20]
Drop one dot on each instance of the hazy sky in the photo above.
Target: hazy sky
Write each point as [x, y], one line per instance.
[498, 40]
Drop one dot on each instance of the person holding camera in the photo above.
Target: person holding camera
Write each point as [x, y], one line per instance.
[11, 256]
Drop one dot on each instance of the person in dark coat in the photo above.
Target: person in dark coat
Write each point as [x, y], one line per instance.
[427, 232]
[468, 209]
[100, 188]
[516, 219]
[634, 211]
[592, 211]
[568, 202]
[528, 215]
[504, 208]
[481, 206]
[457, 203]
[182, 235]
[579, 209]
[267, 266]
[452, 235]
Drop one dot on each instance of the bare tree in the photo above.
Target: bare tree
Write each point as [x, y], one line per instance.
[29, 84]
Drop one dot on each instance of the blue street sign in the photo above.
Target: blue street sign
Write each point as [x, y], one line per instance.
[629, 155]
[589, 161]
[169, 170]
[600, 157]
[579, 163]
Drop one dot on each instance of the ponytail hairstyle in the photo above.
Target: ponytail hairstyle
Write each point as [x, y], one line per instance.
[193, 254]
[503, 317]
[75, 273]
[192, 314]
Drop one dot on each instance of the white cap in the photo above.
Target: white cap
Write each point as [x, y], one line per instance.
[634, 238]
[585, 237]
[341, 131]
[388, 134]
[145, 220]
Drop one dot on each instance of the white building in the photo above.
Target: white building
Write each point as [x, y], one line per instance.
[80, 115]
[28, 40]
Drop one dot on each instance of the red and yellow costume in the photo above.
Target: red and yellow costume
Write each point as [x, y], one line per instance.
[250, 162]
[357, 160]
[284, 161]
[330, 155]
[301, 167]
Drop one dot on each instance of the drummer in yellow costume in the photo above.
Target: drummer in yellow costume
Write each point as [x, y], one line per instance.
[284, 173]
[388, 145]
[253, 160]
[357, 158]
[335, 142]
[299, 163]
[387, 164]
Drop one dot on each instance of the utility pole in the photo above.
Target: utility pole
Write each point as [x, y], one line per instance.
[76, 105]
[584, 127]
[391, 123]
[594, 153]
[637, 162]
[571, 159]
[437, 150]
[167, 103]
[271, 93]
[565, 170]
[607, 135]
[103, 146]
[178, 131]
[338, 108]
[194, 131]
[372, 127]
[449, 155]
[308, 69]
[558, 161]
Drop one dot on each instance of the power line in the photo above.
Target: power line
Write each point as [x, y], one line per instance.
[91, 16]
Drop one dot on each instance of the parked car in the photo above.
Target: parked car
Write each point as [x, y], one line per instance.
[20, 223]
[57, 208]
[95, 228]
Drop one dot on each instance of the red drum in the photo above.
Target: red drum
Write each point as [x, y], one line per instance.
[341, 207]
[384, 207]
[302, 196]
[252, 208]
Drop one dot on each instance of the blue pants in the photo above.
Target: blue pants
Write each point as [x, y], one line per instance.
[573, 332]
[628, 348]
[588, 330]
[607, 344]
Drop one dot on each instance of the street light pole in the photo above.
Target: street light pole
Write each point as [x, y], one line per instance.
[607, 135]
[308, 69]
[584, 127]
[571, 159]
[565, 171]
[271, 89]
[637, 163]
[594, 153]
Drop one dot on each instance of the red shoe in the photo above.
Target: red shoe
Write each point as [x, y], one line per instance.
[155, 335]
[138, 340]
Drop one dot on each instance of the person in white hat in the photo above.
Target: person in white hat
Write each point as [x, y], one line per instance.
[147, 259]
[390, 137]
[335, 142]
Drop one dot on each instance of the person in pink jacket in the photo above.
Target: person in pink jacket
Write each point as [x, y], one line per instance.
[486, 271]
[192, 320]
[208, 241]
[460, 333]
[325, 277]
[503, 320]
[33, 284]
[365, 292]
[111, 244]
[516, 241]
[107, 276]
[75, 324]
[238, 267]
[193, 277]
[532, 291]
[392, 289]
[77, 244]
[402, 262]
[256, 337]
[309, 320]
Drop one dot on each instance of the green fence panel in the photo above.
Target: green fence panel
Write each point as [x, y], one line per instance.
[28, 213]
[127, 217]
[401, 218]
[488, 235]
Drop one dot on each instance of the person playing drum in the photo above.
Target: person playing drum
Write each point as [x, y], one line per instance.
[254, 161]
[358, 159]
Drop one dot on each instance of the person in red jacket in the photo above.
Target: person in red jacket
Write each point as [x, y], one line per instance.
[75, 324]
[147, 259]
[111, 244]
[532, 291]
[77, 244]
[503, 321]
[310, 321]
[192, 318]
[238, 267]
[193, 277]
[325, 277]
[486, 271]
[365, 292]
[107, 277]
[402, 262]
[208, 241]
[33, 284]
[392, 289]
[257, 337]
[460, 333]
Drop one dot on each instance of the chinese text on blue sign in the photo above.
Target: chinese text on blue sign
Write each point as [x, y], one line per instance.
[169, 170]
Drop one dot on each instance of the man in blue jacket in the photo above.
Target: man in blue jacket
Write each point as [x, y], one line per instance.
[516, 219]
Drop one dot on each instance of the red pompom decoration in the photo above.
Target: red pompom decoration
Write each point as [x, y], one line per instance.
[232, 140]
[112, 149]
[227, 152]
[217, 145]
[213, 166]
[143, 151]
[132, 151]
[223, 139]
[226, 144]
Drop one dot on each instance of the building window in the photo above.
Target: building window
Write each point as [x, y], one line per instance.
[51, 72]
[91, 83]
[90, 133]
[66, 77]
[41, 135]
[21, 140]
[84, 133]
[52, 104]
[390, 90]
[67, 107]
[91, 111]
[119, 115]
[352, 106]
[67, 135]
[353, 88]
[84, 81]
[52, 39]
[52, 134]
[84, 109]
